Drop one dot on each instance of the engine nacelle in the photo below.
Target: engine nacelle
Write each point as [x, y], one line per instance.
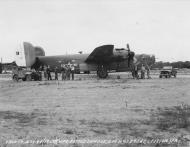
[120, 52]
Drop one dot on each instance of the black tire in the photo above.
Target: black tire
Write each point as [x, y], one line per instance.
[102, 72]
[28, 78]
[37, 76]
[160, 76]
[86, 72]
[15, 78]
[40, 77]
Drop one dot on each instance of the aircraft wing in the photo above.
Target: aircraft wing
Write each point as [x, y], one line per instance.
[101, 54]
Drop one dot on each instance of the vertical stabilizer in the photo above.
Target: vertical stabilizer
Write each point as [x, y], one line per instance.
[20, 56]
[30, 56]
[26, 55]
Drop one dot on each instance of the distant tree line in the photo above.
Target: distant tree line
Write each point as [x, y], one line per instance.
[178, 64]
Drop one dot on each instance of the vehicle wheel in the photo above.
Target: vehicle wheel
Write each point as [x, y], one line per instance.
[160, 76]
[86, 72]
[175, 76]
[102, 72]
[35, 76]
[166, 76]
[28, 78]
[40, 77]
[15, 78]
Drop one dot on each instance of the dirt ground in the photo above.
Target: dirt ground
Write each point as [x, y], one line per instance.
[90, 108]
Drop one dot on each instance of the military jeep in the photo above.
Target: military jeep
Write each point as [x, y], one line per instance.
[26, 75]
[168, 72]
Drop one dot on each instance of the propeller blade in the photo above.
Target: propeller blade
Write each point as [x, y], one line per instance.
[128, 47]
[130, 57]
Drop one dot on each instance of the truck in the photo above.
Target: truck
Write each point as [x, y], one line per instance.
[26, 74]
[168, 72]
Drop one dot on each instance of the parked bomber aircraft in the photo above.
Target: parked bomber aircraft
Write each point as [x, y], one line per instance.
[103, 59]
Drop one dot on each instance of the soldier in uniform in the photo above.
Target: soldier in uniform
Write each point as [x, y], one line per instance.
[48, 73]
[63, 72]
[148, 72]
[68, 71]
[143, 72]
[72, 71]
[135, 72]
[56, 73]
[45, 72]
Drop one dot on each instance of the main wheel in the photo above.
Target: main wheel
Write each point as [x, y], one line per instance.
[102, 72]
[28, 78]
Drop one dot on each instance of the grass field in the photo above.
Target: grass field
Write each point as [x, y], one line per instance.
[89, 108]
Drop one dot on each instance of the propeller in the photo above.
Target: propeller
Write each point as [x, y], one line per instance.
[130, 55]
[128, 47]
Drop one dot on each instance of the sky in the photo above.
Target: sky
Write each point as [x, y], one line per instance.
[159, 27]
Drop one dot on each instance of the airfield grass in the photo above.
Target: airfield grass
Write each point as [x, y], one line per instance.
[89, 108]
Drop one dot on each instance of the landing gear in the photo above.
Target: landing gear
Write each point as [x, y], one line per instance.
[28, 77]
[102, 71]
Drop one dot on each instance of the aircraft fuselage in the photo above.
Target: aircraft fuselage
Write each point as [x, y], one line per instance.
[80, 62]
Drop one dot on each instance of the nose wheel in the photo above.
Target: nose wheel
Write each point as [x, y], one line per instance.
[102, 72]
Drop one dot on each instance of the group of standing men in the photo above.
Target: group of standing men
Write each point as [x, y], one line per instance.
[47, 73]
[67, 71]
[143, 70]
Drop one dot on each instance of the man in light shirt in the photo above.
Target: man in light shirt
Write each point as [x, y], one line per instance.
[72, 71]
